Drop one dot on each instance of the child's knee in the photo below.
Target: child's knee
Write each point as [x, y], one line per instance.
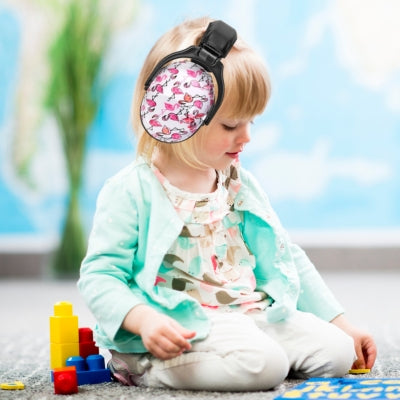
[261, 369]
[342, 355]
[337, 358]
[239, 370]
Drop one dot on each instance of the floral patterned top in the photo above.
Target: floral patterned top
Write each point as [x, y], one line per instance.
[209, 260]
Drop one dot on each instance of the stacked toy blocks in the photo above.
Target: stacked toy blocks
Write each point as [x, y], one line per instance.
[64, 336]
[74, 357]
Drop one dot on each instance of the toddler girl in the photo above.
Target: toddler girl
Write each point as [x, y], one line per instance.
[192, 279]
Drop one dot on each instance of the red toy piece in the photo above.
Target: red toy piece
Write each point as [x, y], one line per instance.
[65, 380]
[87, 346]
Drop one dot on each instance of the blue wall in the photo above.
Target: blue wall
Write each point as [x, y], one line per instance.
[326, 150]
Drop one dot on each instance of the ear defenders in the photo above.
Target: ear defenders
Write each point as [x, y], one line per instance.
[179, 96]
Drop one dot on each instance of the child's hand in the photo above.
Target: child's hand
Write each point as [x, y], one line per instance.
[363, 343]
[162, 336]
[365, 350]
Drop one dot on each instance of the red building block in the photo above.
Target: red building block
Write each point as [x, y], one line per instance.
[65, 380]
[87, 346]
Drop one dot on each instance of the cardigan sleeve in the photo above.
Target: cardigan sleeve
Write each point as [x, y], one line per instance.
[106, 276]
[315, 296]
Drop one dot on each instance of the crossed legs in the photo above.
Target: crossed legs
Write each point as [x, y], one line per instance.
[245, 353]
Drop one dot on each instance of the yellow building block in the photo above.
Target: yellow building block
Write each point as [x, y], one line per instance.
[60, 352]
[16, 385]
[64, 334]
[359, 371]
[62, 308]
[63, 324]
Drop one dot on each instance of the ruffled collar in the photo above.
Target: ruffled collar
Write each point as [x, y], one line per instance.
[204, 207]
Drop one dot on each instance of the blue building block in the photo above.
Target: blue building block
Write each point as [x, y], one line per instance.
[89, 371]
[93, 377]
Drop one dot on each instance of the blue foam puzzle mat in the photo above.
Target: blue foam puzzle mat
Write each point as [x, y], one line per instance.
[345, 388]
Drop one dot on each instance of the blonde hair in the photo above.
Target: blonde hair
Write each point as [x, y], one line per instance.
[247, 88]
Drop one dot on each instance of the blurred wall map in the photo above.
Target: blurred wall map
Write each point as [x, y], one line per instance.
[326, 150]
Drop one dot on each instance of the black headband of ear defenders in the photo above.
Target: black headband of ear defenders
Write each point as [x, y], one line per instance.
[215, 44]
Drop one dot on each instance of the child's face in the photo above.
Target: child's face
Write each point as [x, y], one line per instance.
[224, 141]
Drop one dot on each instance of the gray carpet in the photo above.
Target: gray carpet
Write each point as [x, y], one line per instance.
[371, 300]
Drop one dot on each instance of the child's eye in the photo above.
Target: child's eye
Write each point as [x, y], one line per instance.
[228, 127]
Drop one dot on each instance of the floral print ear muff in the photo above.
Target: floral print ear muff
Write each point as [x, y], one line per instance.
[179, 96]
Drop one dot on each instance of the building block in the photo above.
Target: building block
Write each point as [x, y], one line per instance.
[87, 346]
[73, 347]
[359, 371]
[64, 335]
[63, 324]
[60, 352]
[65, 380]
[16, 385]
[90, 371]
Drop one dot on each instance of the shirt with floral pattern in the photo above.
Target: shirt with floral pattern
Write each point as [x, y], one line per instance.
[210, 260]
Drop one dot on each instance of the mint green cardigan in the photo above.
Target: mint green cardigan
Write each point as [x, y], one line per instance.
[134, 226]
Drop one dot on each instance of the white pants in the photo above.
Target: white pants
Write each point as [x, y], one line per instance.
[243, 352]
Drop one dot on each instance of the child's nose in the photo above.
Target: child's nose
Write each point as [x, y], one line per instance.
[244, 136]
